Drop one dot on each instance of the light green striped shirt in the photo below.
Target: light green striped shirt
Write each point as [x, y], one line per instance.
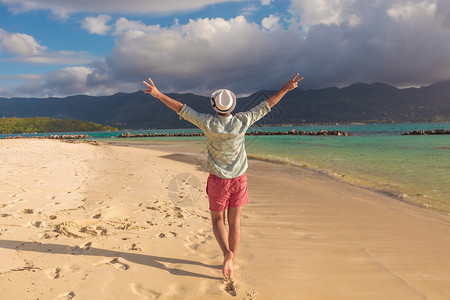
[225, 138]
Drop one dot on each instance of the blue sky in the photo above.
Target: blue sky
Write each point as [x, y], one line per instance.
[62, 47]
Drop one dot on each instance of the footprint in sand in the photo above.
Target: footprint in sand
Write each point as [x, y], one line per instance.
[195, 240]
[140, 290]
[133, 247]
[178, 212]
[28, 211]
[119, 265]
[67, 296]
[72, 229]
[53, 273]
[47, 235]
[192, 242]
[81, 248]
[37, 224]
[229, 287]
[114, 262]
[168, 234]
[250, 295]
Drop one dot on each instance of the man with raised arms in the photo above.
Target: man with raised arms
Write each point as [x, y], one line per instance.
[227, 159]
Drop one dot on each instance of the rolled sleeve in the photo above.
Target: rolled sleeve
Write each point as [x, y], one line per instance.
[256, 113]
[192, 116]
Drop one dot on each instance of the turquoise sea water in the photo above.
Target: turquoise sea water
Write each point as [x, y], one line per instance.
[414, 168]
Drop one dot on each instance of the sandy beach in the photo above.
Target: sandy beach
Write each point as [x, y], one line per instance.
[90, 220]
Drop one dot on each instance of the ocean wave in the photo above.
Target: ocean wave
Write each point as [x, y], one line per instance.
[294, 163]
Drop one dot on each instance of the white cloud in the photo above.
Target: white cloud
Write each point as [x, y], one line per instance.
[201, 55]
[122, 25]
[97, 25]
[411, 11]
[313, 12]
[354, 20]
[366, 46]
[57, 58]
[20, 44]
[270, 23]
[60, 83]
[62, 8]
[25, 49]
[249, 10]
[265, 2]
[66, 81]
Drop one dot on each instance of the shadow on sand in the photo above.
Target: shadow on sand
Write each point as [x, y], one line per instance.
[143, 259]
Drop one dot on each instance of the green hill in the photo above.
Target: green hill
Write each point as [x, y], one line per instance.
[31, 125]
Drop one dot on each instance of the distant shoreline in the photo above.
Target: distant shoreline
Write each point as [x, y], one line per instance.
[49, 125]
[373, 122]
[353, 128]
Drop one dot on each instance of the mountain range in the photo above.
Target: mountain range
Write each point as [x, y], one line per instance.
[359, 102]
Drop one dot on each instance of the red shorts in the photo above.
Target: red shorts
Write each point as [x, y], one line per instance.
[224, 193]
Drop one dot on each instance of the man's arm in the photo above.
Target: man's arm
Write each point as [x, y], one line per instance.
[171, 103]
[289, 86]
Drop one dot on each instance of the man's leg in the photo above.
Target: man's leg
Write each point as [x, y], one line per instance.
[220, 232]
[234, 236]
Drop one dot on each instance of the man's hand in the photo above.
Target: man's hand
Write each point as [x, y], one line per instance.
[289, 86]
[151, 89]
[171, 103]
[292, 84]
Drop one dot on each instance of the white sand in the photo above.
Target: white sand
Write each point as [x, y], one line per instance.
[79, 221]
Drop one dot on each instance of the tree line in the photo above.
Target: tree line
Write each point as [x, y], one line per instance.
[45, 124]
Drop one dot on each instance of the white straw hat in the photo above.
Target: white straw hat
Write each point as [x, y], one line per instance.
[223, 101]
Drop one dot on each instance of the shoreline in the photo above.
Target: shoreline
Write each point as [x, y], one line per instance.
[396, 194]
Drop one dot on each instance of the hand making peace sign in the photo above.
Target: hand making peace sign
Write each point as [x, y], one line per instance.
[151, 88]
[292, 84]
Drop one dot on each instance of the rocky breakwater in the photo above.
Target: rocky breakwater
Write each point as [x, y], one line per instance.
[426, 132]
[52, 137]
[138, 135]
[290, 132]
[301, 132]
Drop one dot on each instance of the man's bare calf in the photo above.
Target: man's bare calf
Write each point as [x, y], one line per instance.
[228, 241]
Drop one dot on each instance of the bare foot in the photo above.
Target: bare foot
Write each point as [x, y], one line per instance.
[227, 267]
